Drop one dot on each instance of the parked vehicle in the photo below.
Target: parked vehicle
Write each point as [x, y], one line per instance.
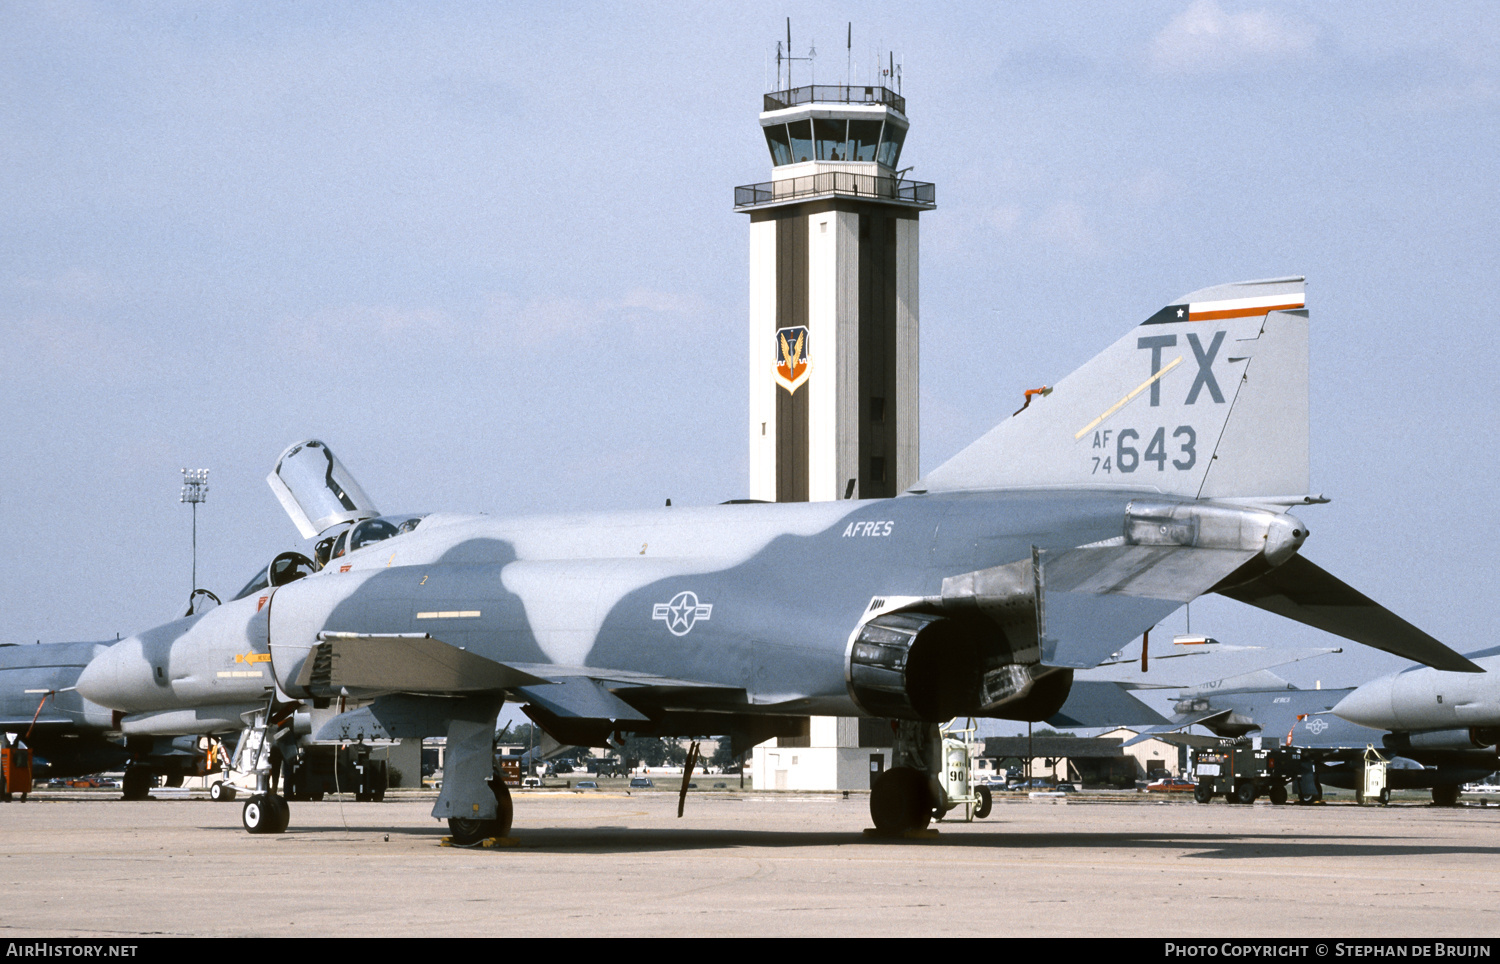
[1171, 785]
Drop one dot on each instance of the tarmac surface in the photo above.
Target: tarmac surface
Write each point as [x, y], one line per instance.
[600, 864]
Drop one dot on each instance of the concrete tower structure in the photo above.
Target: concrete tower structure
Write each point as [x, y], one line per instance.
[833, 298]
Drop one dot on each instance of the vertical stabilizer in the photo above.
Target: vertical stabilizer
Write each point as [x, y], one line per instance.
[1207, 397]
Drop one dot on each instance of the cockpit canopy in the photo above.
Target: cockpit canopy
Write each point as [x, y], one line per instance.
[316, 490]
[369, 531]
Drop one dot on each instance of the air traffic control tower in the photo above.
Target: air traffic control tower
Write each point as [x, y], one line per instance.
[833, 298]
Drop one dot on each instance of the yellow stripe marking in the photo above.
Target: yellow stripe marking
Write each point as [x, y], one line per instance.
[1124, 401]
[456, 614]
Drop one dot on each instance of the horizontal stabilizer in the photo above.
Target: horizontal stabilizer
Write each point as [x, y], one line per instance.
[403, 663]
[1103, 704]
[1196, 741]
[1302, 591]
[1179, 722]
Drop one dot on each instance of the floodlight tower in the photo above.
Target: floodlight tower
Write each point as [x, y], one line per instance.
[833, 296]
[194, 491]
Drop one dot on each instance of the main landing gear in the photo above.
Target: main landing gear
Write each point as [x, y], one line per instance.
[906, 797]
[466, 831]
[474, 799]
[901, 801]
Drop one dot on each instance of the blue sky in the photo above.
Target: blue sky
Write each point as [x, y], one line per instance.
[489, 255]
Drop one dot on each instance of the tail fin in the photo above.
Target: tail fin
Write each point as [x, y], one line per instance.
[1206, 398]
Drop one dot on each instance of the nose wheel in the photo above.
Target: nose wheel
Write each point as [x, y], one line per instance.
[266, 813]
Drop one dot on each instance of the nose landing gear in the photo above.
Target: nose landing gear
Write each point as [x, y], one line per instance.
[266, 813]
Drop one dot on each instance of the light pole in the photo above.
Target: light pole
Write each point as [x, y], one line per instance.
[194, 491]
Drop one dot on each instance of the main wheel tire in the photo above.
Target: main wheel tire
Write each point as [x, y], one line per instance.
[1245, 793]
[1278, 794]
[901, 800]
[986, 802]
[1203, 793]
[1446, 795]
[466, 830]
[137, 783]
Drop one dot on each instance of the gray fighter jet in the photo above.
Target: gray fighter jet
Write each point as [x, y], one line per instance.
[1431, 712]
[71, 736]
[1161, 470]
[1441, 760]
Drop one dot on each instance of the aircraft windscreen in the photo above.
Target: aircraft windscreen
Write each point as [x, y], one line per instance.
[262, 580]
[285, 568]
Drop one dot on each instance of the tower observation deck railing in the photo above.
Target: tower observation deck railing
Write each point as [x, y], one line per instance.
[918, 194]
[835, 94]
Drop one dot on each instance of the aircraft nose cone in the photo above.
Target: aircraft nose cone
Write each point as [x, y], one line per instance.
[1369, 705]
[116, 677]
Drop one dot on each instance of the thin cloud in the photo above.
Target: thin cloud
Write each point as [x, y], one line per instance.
[1205, 38]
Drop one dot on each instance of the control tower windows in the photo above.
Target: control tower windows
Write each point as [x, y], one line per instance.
[831, 135]
[834, 139]
[890, 145]
[781, 146]
[864, 137]
[802, 142]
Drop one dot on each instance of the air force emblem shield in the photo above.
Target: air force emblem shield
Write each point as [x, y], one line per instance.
[793, 361]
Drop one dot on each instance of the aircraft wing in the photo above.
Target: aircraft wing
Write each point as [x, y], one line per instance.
[1298, 589]
[1103, 704]
[1270, 713]
[1193, 666]
[369, 664]
[415, 680]
[404, 663]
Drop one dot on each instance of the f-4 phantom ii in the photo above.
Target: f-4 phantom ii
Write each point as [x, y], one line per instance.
[1441, 760]
[1161, 470]
[1431, 713]
[71, 736]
